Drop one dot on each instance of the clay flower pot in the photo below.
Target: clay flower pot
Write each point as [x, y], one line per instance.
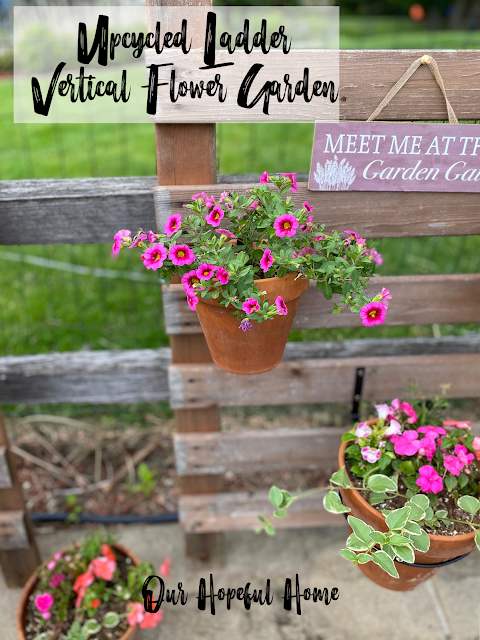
[130, 634]
[261, 348]
[442, 548]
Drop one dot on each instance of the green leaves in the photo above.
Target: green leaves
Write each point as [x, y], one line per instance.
[422, 501]
[420, 542]
[397, 519]
[385, 562]
[111, 620]
[363, 558]
[407, 468]
[333, 504]
[451, 482]
[348, 554]
[360, 529]
[376, 498]
[404, 552]
[356, 544]
[477, 538]
[380, 483]
[91, 627]
[341, 478]
[469, 504]
[275, 496]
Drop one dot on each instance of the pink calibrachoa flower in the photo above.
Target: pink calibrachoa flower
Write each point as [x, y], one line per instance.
[103, 568]
[56, 580]
[375, 257]
[152, 236]
[44, 601]
[172, 225]
[223, 195]
[363, 430]
[201, 195]
[253, 205]
[135, 613]
[266, 260]
[226, 233]
[384, 411]
[407, 408]
[308, 226]
[124, 235]
[192, 300]
[307, 251]
[229, 205]
[393, 429]
[462, 453]
[150, 620]
[354, 236]
[264, 178]
[281, 306]
[181, 254]
[428, 447]
[189, 279]
[154, 256]
[245, 325]
[373, 313]
[453, 464]
[429, 480]
[371, 455]
[205, 271]
[141, 238]
[318, 238]
[385, 297]
[215, 215]
[222, 275]
[285, 225]
[51, 565]
[251, 305]
[210, 202]
[307, 207]
[462, 424]
[407, 444]
[164, 568]
[293, 179]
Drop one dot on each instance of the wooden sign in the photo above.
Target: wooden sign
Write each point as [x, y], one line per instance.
[378, 156]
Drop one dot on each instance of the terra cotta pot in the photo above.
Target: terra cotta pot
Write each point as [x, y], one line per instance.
[442, 548]
[130, 634]
[261, 348]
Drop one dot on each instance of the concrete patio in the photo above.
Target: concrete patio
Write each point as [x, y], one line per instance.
[446, 608]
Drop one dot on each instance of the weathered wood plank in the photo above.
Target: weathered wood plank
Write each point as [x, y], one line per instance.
[13, 534]
[251, 451]
[239, 511]
[5, 477]
[441, 299]
[324, 380]
[136, 375]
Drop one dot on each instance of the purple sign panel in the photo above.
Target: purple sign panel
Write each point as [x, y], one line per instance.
[380, 156]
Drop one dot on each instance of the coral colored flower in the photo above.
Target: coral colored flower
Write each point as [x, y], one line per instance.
[476, 443]
[154, 256]
[281, 306]
[44, 601]
[215, 215]
[253, 206]
[124, 235]
[245, 325]
[428, 447]
[107, 552]
[407, 444]
[462, 424]
[165, 567]
[51, 565]
[266, 260]
[172, 225]
[462, 453]
[94, 603]
[375, 257]
[385, 297]
[285, 225]
[264, 178]
[226, 233]
[192, 300]
[150, 620]
[373, 313]
[251, 305]
[453, 464]
[206, 271]
[82, 582]
[371, 455]
[103, 568]
[384, 411]
[308, 226]
[141, 238]
[181, 254]
[363, 430]
[293, 180]
[56, 580]
[407, 408]
[202, 195]
[429, 480]
[393, 429]
[135, 613]
[222, 275]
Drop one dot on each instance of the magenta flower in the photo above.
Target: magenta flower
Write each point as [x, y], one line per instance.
[251, 305]
[407, 409]
[124, 235]
[354, 236]
[285, 225]
[172, 225]
[202, 195]
[43, 602]
[373, 313]
[226, 233]
[407, 444]
[308, 226]
[429, 480]
[56, 580]
[307, 251]
[223, 195]
[318, 238]
[189, 279]
[229, 205]
[205, 271]
[375, 257]
[464, 456]
[371, 455]
[51, 565]
[264, 178]
[215, 215]
[293, 180]
[266, 260]
[386, 296]
[222, 275]
[152, 236]
[192, 299]
[307, 207]
[428, 447]
[281, 306]
[453, 464]
[181, 254]
[363, 430]
[58, 555]
[153, 258]
[210, 202]
[141, 237]
[245, 325]
[432, 432]
[253, 205]
[393, 429]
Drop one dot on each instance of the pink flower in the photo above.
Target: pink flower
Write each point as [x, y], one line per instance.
[393, 429]
[51, 565]
[307, 207]
[215, 215]
[251, 305]
[205, 271]
[463, 424]
[281, 306]
[432, 432]
[181, 254]
[226, 233]
[253, 205]
[135, 613]
[307, 251]
[210, 202]
[428, 447]
[150, 620]
[285, 225]
[103, 568]
[385, 297]
[189, 279]
[245, 325]
[192, 300]
[152, 236]
[373, 313]
[223, 195]
[363, 430]
[222, 275]
[354, 236]
[264, 178]
[308, 226]
[56, 580]
[429, 480]
[371, 455]
[453, 464]
[153, 258]
[172, 225]
[318, 238]
[43, 602]
[407, 409]
[124, 235]
[202, 195]
[141, 237]
[266, 260]
[476, 446]
[107, 552]
[165, 567]
[407, 444]
[58, 555]
[384, 411]
[82, 582]
[462, 453]
[293, 180]
[375, 257]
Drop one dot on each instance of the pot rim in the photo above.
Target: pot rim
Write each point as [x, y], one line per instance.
[374, 512]
[33, 579]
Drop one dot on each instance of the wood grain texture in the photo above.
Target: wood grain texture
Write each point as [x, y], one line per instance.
[239, 511]
[441, 299]
[324, 380]
[13, 533]
[136, 375]
[391, 214]
[5, 476]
